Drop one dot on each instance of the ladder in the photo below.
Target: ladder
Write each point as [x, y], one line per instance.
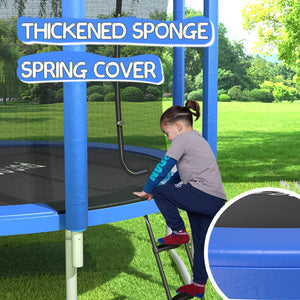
[160, 248]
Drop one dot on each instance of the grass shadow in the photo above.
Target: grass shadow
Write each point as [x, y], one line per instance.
[103, 256]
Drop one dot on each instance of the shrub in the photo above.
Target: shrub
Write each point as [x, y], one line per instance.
[42, 93]
[26, 98]
[196, 95]
[59, 95]
[235, 92]
[110, 97]
[244, 96]
[282, 92]
[108, 88]
[221, 92]
[95, 89]
[224, 98]
[96, 97]
[155, 90]
[260, 95]
[132, 94]
[153, 93]
[267, 85]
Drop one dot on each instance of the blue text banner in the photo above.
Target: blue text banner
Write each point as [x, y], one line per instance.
[192, 32]
[64, 66]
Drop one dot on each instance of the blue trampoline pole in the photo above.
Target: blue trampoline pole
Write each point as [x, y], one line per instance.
[210, 80]
[178, 58]
[75, 143]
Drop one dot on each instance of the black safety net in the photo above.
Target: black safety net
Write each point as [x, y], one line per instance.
[32, 115]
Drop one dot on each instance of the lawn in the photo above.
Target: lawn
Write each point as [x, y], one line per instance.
[258, 145]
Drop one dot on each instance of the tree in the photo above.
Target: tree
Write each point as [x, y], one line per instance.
[277, 23]
[260, 70]
[167, 63]
[193, 55]
[280, 69]
[225, 79]
[21, 5]
[233, 62]
[232, 57]
[9, 82]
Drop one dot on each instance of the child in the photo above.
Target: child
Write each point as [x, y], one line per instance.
[196, 187]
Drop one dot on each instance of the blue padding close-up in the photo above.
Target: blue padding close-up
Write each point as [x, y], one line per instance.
[25, 210]
[256, 263]
[254, 247]
[258, 283]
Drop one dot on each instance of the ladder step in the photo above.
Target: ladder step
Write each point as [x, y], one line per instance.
[161, 248]
[183, 296]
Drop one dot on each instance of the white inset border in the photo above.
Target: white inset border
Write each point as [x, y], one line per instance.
[217, 216]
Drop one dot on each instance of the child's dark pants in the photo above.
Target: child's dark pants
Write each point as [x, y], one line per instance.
[200, 207]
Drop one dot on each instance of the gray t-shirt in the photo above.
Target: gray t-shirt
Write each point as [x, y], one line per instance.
[196, 163]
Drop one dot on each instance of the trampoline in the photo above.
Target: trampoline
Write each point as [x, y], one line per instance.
[254, 247]
[32, 197]
[45, 169]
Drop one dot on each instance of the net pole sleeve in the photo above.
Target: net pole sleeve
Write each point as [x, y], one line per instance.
[178, 58]
[75, 136]
[210, 80]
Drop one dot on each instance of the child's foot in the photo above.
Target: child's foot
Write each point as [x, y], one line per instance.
[176, 238]
[195, 289]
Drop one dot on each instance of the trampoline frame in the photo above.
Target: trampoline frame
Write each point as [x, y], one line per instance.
[35, 218]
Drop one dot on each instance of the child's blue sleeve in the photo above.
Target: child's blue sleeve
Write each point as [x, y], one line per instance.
[174, 179]
[160, 172]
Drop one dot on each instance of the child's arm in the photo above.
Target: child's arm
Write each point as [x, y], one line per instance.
[174, 179]
[160, 172]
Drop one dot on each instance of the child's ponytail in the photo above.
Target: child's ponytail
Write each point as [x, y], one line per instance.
[193, 105]
[184, 113]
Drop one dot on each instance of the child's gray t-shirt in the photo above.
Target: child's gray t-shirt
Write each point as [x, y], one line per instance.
[196, 163]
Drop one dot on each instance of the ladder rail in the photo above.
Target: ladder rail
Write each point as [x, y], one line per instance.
[156, 251]
[188, 251]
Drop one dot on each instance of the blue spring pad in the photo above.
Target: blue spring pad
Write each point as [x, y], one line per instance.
[256, 263]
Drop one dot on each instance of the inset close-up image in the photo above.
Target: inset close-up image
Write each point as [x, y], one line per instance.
[252, 248]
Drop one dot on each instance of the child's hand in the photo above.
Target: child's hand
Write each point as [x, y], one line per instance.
[143, 194]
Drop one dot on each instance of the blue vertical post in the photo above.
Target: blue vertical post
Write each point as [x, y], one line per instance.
[178, 58]
[75, 141]
[75, 130]
[210, 80]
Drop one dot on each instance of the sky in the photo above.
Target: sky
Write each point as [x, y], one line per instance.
[230, 13]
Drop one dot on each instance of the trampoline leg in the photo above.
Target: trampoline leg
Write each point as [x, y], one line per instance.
[74, 260]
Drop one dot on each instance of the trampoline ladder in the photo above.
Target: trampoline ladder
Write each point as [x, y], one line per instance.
[161, 248]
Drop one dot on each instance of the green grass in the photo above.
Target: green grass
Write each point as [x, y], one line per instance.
[258, 145]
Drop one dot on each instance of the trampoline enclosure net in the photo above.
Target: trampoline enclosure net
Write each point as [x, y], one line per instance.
[33, 113]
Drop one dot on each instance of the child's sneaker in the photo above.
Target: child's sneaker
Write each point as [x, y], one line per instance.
[175, 238]
[195, 289]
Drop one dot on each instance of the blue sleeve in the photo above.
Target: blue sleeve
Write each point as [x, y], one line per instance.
[174, 179]
[160, 172]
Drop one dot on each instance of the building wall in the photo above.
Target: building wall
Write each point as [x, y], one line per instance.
[94, 8]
